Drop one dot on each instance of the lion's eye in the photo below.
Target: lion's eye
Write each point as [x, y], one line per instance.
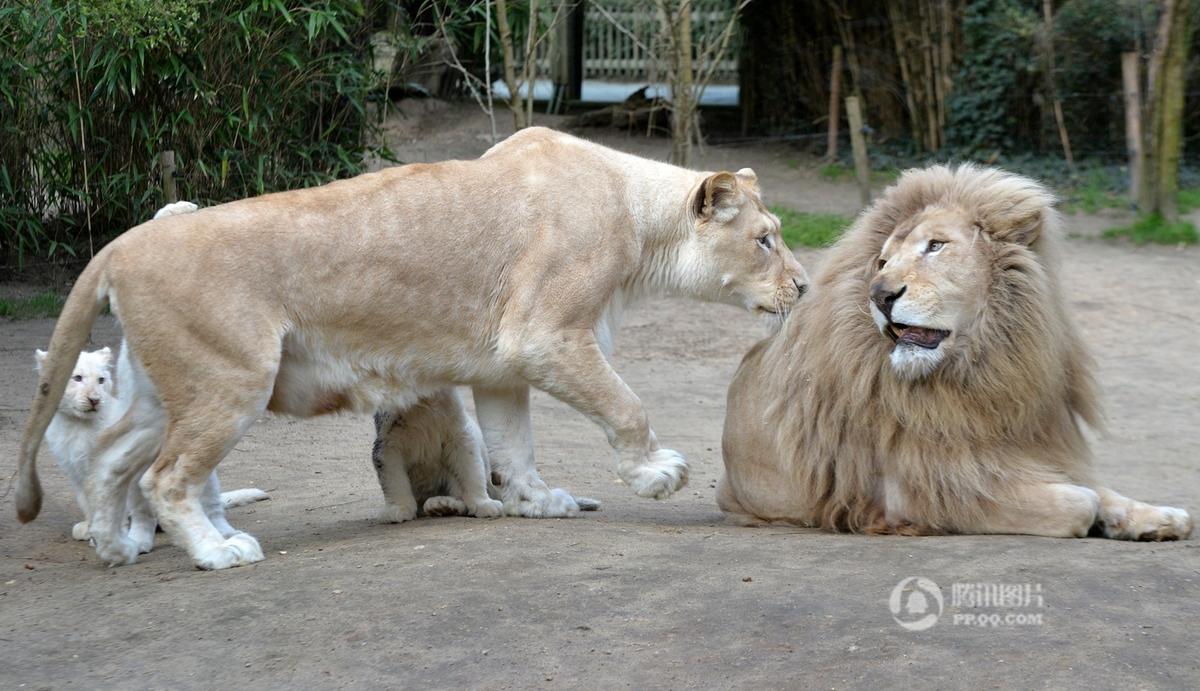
[934, 246]
[882, 263]
[764, 242]
[77, 377]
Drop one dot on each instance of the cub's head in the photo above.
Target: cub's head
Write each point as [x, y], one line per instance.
[90, 385]
[957, 268]
[739, 256]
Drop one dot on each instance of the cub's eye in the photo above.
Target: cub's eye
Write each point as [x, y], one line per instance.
[934, 246]
[882, 263]
[77, 377]
[764, 242]
[101, 380]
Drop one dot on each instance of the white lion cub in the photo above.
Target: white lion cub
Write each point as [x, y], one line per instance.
[431, 455]
[87, 407]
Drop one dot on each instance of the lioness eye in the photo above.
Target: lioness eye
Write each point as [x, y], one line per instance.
[764, 242]
[934, 246]
[77, 377]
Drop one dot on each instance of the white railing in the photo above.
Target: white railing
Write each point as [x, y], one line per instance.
[621, 37]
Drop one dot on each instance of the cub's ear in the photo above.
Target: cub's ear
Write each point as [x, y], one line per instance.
[39, 356]
[106, 353]
[717, 196]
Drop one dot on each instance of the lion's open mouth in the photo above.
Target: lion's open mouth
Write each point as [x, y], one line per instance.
[916, 335]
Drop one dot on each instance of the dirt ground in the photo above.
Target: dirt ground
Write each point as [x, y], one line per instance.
[642, 594]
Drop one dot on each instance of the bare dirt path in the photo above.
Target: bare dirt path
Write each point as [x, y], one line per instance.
[642, 594]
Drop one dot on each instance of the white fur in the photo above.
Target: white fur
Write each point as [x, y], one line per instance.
[87, 407]
[175, 209]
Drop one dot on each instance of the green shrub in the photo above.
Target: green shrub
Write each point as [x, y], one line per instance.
[810, 229]
[47, 304]
[251, 96]
[1155, 229]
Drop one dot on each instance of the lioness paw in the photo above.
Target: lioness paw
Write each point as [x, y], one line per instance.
[488, 508]
[660, 476]
[239, 550]
[1145, 522]
[529, 501]
[80, 531]
[118, 552]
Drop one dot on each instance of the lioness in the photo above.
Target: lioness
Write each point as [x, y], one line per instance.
[933, 382]
[369, 293]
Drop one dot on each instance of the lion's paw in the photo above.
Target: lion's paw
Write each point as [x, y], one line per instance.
[1145, 522]
[488, 508]
[239, 549]
[81, 531]
[445, 506]
[662, 474]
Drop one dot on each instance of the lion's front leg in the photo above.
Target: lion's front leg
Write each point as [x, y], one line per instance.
[504, 420]
[1122, 518]
[575, 371]
[1051, 509]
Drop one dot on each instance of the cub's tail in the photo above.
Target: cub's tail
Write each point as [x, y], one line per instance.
[241, 497]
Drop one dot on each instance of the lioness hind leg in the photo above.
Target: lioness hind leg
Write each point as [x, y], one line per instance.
[1053, 509]
[179, 480]
[1122, 518]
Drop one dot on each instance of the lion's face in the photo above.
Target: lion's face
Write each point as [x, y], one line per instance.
[741, 257]
[928, 285]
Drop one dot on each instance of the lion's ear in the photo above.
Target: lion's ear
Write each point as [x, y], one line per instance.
[718, 193]
[1022, 231]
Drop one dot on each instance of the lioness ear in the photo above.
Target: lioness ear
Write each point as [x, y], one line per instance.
[748, 177]
[718, 192]
[39, 356]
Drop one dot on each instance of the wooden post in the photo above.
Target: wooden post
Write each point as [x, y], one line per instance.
[835, 102]
[166, 167]
[1133, 123]
[859, 143]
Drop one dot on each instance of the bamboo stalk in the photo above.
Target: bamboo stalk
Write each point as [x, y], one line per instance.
[862, 167]
[1048, 11]
[835, 100]
[1133, 123]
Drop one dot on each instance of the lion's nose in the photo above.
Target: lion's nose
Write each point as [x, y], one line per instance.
[884, 298]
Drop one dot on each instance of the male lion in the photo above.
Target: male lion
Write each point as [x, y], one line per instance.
[933, 381]
[374, 292]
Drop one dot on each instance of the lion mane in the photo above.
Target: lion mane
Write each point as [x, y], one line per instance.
[1006, 406]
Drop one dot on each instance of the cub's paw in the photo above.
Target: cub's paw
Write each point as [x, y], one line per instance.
[444, 506]
[587, 503]
[533, 501]
[118, 552]
[1145, 522]
[80, 531]
[488, 508]
[239, 550]
[144, 539]
[397, 513]
[662, 473]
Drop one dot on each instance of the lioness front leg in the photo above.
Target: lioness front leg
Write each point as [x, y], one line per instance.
[576, 372]
[504, 420]
[1122, 518]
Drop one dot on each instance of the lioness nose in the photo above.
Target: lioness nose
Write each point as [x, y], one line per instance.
[885, 298]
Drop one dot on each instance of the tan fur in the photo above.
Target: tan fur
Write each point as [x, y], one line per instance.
[371, 292]
[826, 426]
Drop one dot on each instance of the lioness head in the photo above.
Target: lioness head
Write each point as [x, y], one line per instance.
[741, 258]
[934, 275]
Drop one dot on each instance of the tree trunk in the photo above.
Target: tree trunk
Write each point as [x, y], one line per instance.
[683, 112]
[510, 67]
[1170, 116]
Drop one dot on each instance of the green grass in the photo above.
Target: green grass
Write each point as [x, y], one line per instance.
[1098, 190]
[836, 171]
[809, 229]
[47, 304]
[1155, 229]
[1189, 200]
